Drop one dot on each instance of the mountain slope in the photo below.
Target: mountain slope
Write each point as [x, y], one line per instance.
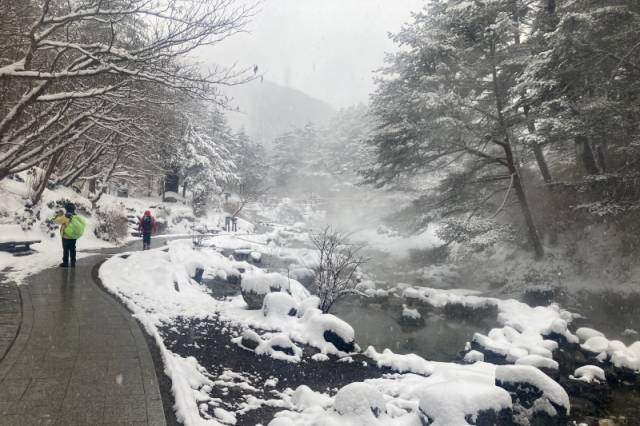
[266, 110]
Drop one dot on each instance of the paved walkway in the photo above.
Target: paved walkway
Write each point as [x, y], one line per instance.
[78, 359]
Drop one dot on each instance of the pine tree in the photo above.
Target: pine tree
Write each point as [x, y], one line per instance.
[446, 107]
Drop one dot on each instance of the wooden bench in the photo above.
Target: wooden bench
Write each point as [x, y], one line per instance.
[18, 248]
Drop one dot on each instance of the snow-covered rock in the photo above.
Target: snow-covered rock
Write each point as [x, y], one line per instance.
[585, 333]
[331, 329]
[305, 276]
[303, 397]
[410, 317]
[255, 287]
[279, 304]
[360, 399]
[538, 361]
[596, 344]
[589, 373]
[528, 385]
[449, 402]
[473, 356]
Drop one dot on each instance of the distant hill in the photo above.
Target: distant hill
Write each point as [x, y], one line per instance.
[268, 110]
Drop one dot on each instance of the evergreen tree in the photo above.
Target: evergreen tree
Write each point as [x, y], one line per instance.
[445, 106]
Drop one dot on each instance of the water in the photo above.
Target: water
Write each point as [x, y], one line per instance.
[441, 338]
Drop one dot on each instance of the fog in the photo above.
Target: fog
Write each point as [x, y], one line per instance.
[327, 49]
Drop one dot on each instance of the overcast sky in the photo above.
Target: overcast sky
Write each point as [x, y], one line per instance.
[326, 48]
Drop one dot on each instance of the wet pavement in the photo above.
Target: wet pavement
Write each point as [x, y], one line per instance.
[79, 357]
[10, 314]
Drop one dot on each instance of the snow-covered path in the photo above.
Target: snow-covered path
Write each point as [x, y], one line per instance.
[79, 357]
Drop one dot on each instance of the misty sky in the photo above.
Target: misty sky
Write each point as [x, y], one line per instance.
[326, 48]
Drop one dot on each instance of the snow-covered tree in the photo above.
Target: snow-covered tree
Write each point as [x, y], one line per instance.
[445, 106]
[584, 83]
[73, 72]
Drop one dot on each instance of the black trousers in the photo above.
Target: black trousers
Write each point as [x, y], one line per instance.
[146, 240]
[68, 250]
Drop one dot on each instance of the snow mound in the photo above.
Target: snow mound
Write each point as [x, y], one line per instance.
[361, 399]
[279, 305]
[303, 397]
[449, 402]
[265, 283]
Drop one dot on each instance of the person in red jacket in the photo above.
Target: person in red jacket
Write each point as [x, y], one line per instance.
[147, 226]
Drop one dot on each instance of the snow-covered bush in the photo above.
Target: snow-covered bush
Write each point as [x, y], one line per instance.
[27, 218]
[112, 224]
[337, 271]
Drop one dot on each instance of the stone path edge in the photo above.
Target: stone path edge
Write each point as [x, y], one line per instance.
[22, 333]
[164, 382]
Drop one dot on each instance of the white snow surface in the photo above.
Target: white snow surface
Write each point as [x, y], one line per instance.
[449, 394]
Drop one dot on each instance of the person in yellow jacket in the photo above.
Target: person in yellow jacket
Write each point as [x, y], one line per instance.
[69, 235]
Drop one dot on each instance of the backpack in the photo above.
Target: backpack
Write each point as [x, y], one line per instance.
[75, 228]
[147, 224]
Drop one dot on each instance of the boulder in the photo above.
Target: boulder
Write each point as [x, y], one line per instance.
[253, 300]
[250, 339]
[359, 399]
[254, 288]
[305, 276]
[534, 391]
[337, 341]
[279, 304]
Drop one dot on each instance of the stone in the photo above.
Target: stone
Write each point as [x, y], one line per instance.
[338, 342]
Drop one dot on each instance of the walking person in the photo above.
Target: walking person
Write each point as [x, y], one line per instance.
[71, 228]
[147, 226]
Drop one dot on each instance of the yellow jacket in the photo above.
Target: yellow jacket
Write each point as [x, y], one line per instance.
[63, 221]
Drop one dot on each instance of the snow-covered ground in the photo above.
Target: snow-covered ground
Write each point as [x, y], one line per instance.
[33, 226]
[18, 222]
[158, 287]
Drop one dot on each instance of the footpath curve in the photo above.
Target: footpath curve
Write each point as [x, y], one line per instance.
[79, 357]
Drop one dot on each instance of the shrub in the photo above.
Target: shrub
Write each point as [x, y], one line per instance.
[112, 224]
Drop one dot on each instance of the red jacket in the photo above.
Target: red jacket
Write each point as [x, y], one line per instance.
[141, 222]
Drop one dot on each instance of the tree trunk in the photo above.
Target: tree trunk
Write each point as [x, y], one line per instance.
[534, 236]
[47, 174]
[172, 182]
[542, 163]
[184, 189]
[537, 149]
[585, 159]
